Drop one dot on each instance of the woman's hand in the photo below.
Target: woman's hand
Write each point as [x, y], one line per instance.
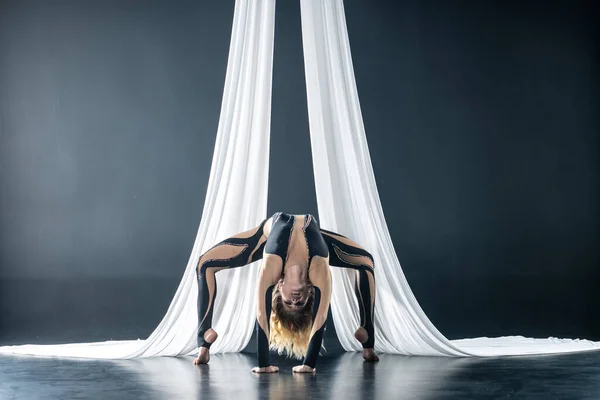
[304, 369]
[265, 370]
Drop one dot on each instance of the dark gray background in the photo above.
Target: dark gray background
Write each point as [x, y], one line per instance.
[481, 119]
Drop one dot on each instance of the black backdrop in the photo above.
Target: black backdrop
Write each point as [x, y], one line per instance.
[481, 120]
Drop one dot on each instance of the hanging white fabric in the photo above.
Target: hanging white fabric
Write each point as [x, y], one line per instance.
[236, 200]
[348, 203]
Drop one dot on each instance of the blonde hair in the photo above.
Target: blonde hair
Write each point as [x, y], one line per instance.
[290, 330]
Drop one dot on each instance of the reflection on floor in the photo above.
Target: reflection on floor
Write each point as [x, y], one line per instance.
[346, 377]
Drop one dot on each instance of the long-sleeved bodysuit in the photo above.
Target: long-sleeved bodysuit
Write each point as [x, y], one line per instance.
[296, 239]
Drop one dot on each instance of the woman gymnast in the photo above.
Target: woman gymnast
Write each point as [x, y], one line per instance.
[294, 287]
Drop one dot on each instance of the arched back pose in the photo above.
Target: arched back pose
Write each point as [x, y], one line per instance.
[294, 288]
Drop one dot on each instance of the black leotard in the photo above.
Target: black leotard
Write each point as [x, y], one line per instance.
[281, 233]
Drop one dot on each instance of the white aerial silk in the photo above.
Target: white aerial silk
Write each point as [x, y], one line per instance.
[347, 198]
[349, 204]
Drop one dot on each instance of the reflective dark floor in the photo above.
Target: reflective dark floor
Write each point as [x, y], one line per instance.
[344, 377]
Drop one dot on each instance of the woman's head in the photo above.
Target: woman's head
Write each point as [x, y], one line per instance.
[291, 317]
[294, 290]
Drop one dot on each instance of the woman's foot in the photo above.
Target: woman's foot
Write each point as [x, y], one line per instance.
[204, 355]
[369, 355]
[210, 336]
[361, 335]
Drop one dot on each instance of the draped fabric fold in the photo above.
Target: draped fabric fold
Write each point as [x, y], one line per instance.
[236, 200]
[348, 203]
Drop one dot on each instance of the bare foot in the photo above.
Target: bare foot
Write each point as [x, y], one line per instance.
[361, 334]
[210, 336]
[204, 355]
[304, 369]
[369, 355]
[265, 370]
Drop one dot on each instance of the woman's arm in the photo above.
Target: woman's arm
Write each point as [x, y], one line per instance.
[345, 253]
[320, 277]
[236, 251]
[270, 272]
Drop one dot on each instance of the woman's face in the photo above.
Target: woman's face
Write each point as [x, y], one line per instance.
[293, 295]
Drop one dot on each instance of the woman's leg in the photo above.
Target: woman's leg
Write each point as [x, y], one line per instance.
[345, 253]
[236, 251]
